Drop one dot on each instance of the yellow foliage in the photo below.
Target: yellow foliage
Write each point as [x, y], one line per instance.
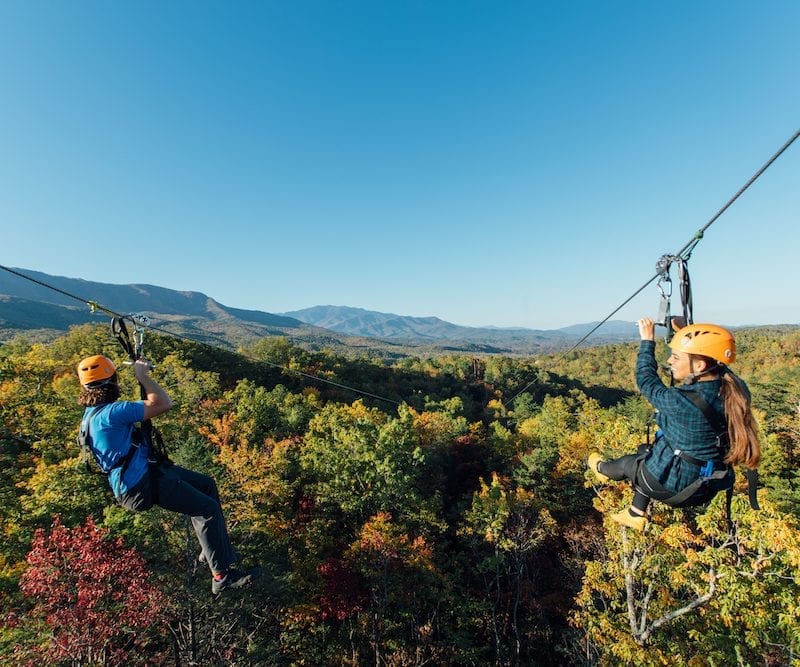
[304, 616]
[381, 537]
[256, 487]
[436, 427]
[682, 574]
[221, 432]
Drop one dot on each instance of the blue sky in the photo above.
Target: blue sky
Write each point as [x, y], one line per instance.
[507, 163]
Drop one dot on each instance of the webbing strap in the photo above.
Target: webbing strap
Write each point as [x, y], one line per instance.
[720, 427]
[682, 496]
[686, 290]
[120, 332]
[714, 418]
[751, 474]
[689, 459]
[665, 289]
[84, 439]
[133, 348]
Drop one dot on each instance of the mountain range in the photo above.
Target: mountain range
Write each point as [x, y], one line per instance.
[42, 306]
[359, 322]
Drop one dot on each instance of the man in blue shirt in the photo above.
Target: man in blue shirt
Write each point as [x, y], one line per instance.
[138, 478]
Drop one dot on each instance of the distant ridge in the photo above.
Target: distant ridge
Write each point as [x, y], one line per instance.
[39, 312]
[28, 307]
[360, 322]
[128, 298]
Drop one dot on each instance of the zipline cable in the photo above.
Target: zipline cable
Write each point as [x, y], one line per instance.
[684, 253]
[94, 306]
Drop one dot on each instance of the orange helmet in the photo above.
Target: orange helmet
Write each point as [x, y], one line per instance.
[92, 371]
[707, 340]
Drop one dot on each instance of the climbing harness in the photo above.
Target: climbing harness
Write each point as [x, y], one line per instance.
[714, 474]
[85, 443]
[144, 432]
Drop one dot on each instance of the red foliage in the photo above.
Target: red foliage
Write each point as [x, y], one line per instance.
[93, 593]
[305, 509]
[343, 595]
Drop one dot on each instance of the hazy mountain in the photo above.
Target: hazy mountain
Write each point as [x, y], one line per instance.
[359, 322]
[47, 309]
[127, 298]
[26, 306]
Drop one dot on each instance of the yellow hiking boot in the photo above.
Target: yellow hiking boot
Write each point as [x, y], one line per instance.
[630, 520]
[593, 461]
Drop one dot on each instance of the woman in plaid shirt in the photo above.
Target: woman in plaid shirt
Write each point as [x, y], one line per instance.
[686, 441]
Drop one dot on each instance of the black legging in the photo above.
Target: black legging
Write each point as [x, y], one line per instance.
[625, 467]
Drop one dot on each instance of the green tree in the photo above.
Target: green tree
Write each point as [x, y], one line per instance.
[359, 462]
[506, 527]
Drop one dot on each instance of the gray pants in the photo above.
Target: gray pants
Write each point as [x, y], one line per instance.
[181, 490]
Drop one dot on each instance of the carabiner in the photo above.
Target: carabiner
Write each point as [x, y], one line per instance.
[139, 323]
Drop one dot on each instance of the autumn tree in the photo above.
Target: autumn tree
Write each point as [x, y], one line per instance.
[687, 591]
[399, 573]
[96, 598]
[505, 526]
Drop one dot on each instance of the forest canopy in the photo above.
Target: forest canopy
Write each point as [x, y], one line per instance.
[435, 516]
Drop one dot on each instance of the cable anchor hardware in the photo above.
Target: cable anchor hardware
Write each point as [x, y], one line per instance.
[664, 285]
[132, 343]
[140, 322]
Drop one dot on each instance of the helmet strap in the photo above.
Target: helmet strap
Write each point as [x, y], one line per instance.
[693, 377]
[101, 383]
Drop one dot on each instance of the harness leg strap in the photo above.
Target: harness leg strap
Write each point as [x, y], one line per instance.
[752, 487]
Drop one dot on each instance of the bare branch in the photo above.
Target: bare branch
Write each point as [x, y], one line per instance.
[671, 616]
[628, 569]
[645, 605]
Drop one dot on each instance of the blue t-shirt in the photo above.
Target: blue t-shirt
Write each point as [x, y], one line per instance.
[110, 432]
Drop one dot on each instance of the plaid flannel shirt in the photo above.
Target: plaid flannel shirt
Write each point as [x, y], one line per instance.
[682, 425]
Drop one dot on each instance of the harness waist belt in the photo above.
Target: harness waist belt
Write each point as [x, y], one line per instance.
[696, 462]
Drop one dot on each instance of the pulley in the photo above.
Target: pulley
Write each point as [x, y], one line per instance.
[664, 286]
